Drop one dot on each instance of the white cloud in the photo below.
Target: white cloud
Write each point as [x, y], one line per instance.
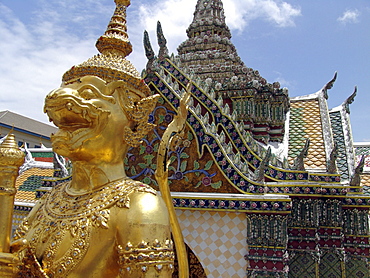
[34, 58]
[239, 13]
[349, 16]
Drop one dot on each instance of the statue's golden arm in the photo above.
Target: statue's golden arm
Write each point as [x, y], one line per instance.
[145, 248]
[161, 174]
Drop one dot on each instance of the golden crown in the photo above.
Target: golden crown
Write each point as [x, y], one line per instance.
[111, 63]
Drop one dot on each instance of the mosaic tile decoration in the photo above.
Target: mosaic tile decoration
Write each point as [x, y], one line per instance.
[246, 204]
[330, 265]
[305, 121]
[362, 150]
[28, 182]
[365, 177]
[356, 267]
[19, 213]
[337, 128]
[43, 156]
[218, 239]
[365, 181]
[170, 79]
[302, 265]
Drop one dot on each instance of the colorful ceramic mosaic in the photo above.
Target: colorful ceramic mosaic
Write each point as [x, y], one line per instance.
[29, 181]
[338, 134]
[306, 122]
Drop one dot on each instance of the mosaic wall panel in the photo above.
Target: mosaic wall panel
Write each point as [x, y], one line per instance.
[365, 182]
[218, 239]
[357, 268]
[363, 150]
[330, 266]
[302, 265]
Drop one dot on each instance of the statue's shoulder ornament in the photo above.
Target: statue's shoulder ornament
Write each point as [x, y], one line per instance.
[61, 205]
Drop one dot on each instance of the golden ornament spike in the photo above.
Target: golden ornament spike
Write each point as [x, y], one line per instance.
[111, 65]
[115, 39]
[11, 158]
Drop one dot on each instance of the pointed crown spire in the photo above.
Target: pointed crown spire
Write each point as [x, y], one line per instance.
[9, 152]
[111, 63]
[115, 38]
[207, 15]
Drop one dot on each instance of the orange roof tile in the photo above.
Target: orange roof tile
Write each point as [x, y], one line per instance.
[305, 122]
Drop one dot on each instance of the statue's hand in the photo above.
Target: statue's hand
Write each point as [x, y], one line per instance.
[9, 262]
[8, 265]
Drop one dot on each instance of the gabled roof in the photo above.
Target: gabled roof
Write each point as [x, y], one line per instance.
[28, 125]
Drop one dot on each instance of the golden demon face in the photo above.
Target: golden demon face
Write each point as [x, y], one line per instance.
[90, 120]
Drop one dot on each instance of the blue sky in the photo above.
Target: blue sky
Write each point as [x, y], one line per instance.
[298, 43]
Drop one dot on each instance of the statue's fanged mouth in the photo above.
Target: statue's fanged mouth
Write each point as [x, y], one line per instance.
[74, 116]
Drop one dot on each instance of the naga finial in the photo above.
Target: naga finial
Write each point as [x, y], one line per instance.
[260, 171]
[350, 100]
[331, 166]
[162, 42]
[299, 160]
[356, 178]
[149, 53]
[329, 85]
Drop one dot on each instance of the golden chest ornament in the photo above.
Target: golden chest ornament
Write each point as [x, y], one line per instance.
[77, 215]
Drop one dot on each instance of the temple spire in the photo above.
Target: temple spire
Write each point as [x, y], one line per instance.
[209, 16]
[209, 53]
[208, 48]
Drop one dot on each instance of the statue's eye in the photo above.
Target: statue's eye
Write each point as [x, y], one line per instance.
[87, 94]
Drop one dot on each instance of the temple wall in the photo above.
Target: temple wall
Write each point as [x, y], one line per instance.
[218, 239]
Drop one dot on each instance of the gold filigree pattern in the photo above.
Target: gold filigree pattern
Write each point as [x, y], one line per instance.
[61, 205]
[77, 215]
[138, 112]
[145, 255]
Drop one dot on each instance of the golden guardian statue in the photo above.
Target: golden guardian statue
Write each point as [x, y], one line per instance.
[101, 223]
